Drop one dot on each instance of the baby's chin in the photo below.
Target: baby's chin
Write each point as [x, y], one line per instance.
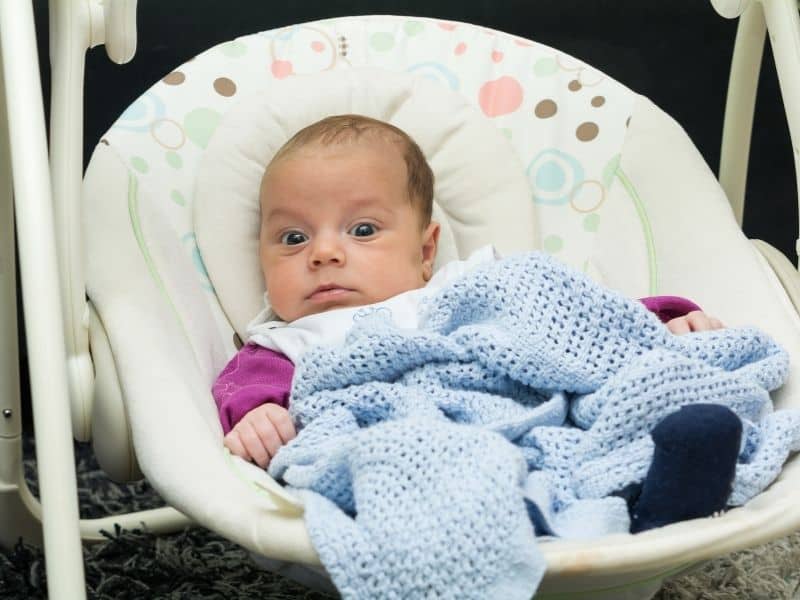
[349, 302]
[321, 308]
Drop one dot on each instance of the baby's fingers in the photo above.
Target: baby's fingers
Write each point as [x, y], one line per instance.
[283, 423]
[269, 438]
[233, 442]
[256, 449]
[698, 321]
[678, 326]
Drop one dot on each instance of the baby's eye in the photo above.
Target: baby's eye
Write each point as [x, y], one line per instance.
[363, 230]
[292, 238]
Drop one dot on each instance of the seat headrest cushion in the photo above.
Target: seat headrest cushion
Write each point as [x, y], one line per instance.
[481, 193]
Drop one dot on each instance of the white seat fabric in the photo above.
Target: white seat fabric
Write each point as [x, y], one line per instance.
[615, 188]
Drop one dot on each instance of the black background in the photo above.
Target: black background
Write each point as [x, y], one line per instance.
[677, 53]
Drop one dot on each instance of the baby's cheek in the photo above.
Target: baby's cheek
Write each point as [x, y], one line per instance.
[282, 299]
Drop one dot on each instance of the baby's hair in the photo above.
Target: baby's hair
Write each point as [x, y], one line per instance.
[350, 128]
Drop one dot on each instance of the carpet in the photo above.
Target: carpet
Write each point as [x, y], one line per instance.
[196, 563]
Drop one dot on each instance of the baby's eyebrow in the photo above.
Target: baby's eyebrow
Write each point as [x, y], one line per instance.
[280, 212]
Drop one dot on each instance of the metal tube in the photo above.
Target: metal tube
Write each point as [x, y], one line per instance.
[783, 24]
[69, 40]
[43, 316]
[740, 105]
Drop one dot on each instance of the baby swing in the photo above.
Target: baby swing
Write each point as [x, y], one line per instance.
[171, 277]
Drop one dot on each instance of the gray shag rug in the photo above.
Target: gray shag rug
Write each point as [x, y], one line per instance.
[196, 563]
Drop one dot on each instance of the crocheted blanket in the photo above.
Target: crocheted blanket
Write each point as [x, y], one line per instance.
[418, 449]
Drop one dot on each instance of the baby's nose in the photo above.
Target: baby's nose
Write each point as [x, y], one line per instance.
[327, 250]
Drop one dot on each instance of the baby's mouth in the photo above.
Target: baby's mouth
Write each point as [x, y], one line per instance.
[328, 292]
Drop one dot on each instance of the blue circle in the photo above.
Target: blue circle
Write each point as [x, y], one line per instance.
[550, 177]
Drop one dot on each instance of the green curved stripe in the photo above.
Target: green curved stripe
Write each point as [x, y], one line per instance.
[136, 225]
[652, 264]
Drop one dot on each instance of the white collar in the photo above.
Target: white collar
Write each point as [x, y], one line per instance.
[330, 327]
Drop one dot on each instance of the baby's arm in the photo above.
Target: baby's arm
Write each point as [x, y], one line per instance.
[252, 394]
[680, 315]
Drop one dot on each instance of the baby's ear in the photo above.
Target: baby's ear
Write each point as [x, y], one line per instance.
[430, 241]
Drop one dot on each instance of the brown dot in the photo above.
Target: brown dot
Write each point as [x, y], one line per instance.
[104, 141]
[545, 108]
[574, 85]
[586, 132]
[224, 86]
[627, 122]
[174, 78]
[598, 101]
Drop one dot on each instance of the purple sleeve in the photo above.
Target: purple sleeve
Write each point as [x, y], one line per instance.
[254, 376]
[667, 308]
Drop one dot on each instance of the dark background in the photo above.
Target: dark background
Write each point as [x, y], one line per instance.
[664, 50]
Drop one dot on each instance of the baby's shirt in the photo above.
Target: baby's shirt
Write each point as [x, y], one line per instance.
[261, 372]
[254, 376]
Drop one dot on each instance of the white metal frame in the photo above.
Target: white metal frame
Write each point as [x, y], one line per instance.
[48, 231]
[58, 352]
[779, 18]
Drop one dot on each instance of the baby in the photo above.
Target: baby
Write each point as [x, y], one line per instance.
[345, 221]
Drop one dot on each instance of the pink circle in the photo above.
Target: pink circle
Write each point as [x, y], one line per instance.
[281, 68]
[497, 56]
[460, 48]
[447, 26]
[500, 96]
[317, 46]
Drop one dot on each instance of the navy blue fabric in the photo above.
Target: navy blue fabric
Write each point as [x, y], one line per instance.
[693, 466]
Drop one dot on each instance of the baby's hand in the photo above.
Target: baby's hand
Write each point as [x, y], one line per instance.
[694, 321]
[261, 433]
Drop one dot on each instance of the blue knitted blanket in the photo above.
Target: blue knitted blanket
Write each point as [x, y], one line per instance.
[418, 448]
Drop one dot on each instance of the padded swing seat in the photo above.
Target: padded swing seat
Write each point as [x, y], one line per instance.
[531, 149]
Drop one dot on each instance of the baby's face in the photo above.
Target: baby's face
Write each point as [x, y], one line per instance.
[338, 229]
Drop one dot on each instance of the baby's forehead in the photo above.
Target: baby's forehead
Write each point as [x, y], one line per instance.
[376, 149]
[291, 166]
[381, 141]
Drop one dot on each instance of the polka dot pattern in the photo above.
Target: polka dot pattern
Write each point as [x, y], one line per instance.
[413, 28]
[281, 69]
[200, 124]
[553, 243]
[174, 159]
[586, 132]
[140, 164]
[224, 87]
[382, 41]
[234, 49]
[546, 66]
[591, 222]
[174, 78]
[540, 99]
[500, 96]
[546, 109]
[177, 198]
